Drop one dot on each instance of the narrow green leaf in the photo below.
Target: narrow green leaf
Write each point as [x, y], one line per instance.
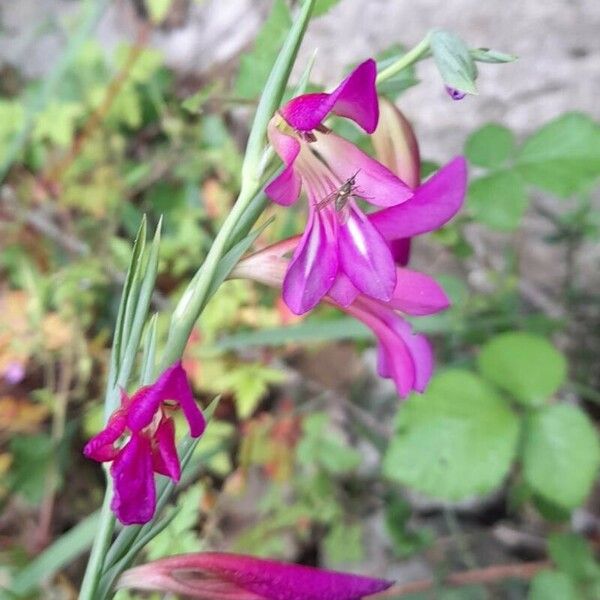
[146, 288]
[149, 354]
[274, 89]
[487, 55]
[454, 61]
[134, 266]
[256, 64]
[228, 262]
[344, 328]
[58, 555]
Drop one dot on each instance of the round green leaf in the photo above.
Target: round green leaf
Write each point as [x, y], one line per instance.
[553, 585]
[526, 365]
[456, 440]
[561, 454]
[490, 146]
[498, 200]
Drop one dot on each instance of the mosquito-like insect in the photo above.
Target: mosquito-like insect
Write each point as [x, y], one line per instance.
[339, 198]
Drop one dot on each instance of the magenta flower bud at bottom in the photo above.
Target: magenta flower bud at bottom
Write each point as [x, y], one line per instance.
[221, 576]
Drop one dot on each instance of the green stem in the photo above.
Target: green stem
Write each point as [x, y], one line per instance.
[99, 548]
[411, 57]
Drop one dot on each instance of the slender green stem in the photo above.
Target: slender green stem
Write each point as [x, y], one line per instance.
[411, 57]
[99, 548]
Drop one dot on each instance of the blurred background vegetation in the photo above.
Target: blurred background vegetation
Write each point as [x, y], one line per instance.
[114, 110]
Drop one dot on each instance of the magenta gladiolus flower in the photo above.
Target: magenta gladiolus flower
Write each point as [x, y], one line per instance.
[150, 447]
[219, 576]
[403, 356]
[339, 238]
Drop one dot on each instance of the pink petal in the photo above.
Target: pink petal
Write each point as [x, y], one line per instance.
[355, 98]
[421, 353]
[285, 188]
[101, 446]
[365, 257]
[343, 291]
[395, 144]
[314, 264]
[248, 578]
[134, 499]
[394, 359]
[433, 204]
[374, 182]
[418, 294]
[172, 384]
[164, 456]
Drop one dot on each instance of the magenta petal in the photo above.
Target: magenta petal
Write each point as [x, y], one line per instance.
[374, 182]
[418, 294]
[343, 291]
[394, 361]
[101, 446]
[355, 98]
[134, 499]
[172, 384]
[314, 264]
[421, 353]
[164, 456]
[221, 576]
[365, 257]
[285, 188]
[433, 204]
[181, 391]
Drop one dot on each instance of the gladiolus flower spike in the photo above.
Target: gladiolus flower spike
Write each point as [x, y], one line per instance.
[150, 447]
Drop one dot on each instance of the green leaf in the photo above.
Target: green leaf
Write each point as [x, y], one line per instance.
[323, 447]
[526, 365]
[249, 382]
[157, 9]
[323, 6]
[553, 585]
[498, 200]
[453, 60]
[572, 554]
[179, 537]
[32, 458]
[561, 454]
[343, 543]
[315, 330]
[487, 55]
[563, 157]
[456, 440]
[57, 123]
[490, 146]
[256, 64]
